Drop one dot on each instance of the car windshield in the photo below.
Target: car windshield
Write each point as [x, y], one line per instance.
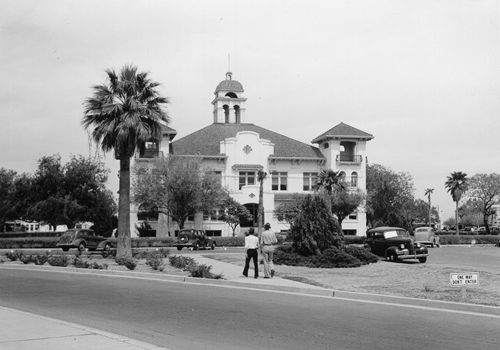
[396, 234]
[186, 234]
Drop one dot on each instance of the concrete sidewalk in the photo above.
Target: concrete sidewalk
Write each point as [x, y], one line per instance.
[26, 331]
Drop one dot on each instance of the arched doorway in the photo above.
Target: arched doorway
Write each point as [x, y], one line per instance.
[253, 209]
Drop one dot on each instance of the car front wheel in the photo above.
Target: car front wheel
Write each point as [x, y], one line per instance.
[65, 249]
[391, 256]
[422, 260]
[213, 246]
[179, 248]
[196, 246]
[81, 247]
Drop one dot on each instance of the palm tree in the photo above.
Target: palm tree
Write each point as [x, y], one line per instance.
[428, 192]
[123, 113]
[261, 175]
[328, 179]
[456, 184]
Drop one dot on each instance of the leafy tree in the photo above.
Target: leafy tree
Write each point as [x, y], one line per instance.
[123, 113]
[345, 201]
[389, 196]
[456, 185]
[314, 228]
[178, 187]
[484, 192]
[428, 192]
[7, 178]
[233, 212]
[288, 211]
[329, 179]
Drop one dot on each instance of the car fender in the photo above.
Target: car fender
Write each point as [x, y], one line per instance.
[102, 244]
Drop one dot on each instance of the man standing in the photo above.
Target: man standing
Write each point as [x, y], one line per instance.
[251, 245]
[267, 242]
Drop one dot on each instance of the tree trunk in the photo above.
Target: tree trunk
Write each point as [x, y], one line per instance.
[260, 210]
[456, 217]
[123, 246]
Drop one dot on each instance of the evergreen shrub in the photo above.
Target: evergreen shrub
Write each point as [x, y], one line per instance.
[129, 263]
[58, 260]
[362, 254]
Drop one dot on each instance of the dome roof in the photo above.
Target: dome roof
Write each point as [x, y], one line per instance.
[229, 84]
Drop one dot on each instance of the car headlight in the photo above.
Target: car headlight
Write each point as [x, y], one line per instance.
[401, 246]
[417, 245]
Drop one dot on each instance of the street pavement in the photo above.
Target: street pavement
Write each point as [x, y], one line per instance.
[22, 330]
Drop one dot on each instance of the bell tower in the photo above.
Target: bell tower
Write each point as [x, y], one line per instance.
[229, 103]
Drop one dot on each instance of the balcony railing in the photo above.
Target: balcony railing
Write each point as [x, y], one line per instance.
[349, 158]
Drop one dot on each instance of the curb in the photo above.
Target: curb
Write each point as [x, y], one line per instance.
[179, 279]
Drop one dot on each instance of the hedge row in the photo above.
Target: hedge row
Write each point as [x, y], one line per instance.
[146, 242]
[24, 234]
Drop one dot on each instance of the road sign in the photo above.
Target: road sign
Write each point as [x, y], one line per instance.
[464, 279]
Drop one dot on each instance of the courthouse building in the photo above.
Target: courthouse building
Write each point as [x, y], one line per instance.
[237, 149]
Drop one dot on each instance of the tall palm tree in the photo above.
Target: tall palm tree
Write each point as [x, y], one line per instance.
[428, 192]
[328, 179]
[261, 175]
[122, 113]
[456, 184]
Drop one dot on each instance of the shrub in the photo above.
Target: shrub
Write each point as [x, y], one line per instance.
[354, 239]
[129, 263]
[155, 260]
[331, 257]
[26, 259]
[85, 264]
[58, 260]
[202, 271]
[362, 254]
[314, 229]
[144, 253]
[463, 239]
[41, 259]
[180, 262]
[14, 255]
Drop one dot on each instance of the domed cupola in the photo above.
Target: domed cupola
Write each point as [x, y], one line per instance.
[229, 101]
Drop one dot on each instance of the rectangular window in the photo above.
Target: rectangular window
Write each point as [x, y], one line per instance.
[353, 216]
[279, 181]
[310, 181]
[246, 178]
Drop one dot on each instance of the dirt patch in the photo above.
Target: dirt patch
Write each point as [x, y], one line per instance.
[426, 281]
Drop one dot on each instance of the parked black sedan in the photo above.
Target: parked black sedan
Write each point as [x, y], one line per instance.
[394, 244]
[83, 239]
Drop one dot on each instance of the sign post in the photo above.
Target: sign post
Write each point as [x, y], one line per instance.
[464, 279]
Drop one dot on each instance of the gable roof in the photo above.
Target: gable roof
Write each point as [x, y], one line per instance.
[206, 141]
[343, 131]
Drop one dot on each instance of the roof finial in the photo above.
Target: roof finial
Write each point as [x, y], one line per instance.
[229, 75]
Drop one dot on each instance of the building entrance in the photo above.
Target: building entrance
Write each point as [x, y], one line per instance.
[253, 209]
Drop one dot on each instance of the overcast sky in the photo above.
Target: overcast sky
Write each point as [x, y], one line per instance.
[422, 76]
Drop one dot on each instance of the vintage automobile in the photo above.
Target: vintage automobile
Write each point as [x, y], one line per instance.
[83, 239]
[426, 236]
[195, 239]
[394, 244]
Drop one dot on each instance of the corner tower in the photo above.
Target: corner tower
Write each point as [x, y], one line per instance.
[229, 103]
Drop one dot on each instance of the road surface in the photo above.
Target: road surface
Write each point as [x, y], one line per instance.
[184, 316]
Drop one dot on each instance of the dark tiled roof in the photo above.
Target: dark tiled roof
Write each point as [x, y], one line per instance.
[345, 131]
[206, 141]
[229, 85]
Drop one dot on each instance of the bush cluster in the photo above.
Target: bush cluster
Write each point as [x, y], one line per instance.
[331, 257]
[143, 254]
[58, 260]
[462, 239]
[129, 263]
[190, 265]
[14, 255]
[155, 260]
[229, 241]
[86, 264]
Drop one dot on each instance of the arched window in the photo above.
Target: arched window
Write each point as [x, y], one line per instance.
[231, 94]
[237, 114]
[342, 176]
[354, 179]
[226, 113]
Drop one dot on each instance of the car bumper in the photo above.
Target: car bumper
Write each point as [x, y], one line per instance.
[412, 256]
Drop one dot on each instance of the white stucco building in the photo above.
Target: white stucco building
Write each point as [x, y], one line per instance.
[237, 149]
